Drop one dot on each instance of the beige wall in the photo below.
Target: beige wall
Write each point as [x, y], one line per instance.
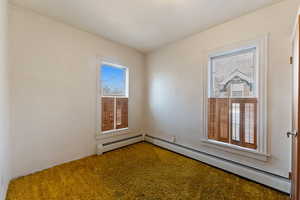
[54, 89]
[175, 95]
[4, 103]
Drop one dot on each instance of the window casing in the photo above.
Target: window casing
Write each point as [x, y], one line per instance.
[235, 105]
[113, 97]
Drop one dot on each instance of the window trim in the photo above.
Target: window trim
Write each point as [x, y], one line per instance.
[113, 132]
[261, 45]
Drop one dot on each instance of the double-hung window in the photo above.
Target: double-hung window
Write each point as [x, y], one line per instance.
[233, 98]
[114, 97]
[236, 102]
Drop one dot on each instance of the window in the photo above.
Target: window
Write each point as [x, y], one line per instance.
[114, 97]
[233, 97]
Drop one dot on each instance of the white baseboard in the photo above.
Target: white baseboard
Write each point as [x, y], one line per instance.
[115, 143]
[265, 178]
[3, 190]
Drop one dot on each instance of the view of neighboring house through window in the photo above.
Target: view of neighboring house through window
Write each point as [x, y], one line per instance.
[232, 103]
[114, 97]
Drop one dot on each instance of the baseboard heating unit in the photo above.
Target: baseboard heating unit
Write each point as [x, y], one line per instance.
[271, 180]
[118, 143]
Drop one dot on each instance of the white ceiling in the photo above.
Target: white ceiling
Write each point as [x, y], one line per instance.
[144, 24]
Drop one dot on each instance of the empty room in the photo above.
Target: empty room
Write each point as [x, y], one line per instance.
[149, 99]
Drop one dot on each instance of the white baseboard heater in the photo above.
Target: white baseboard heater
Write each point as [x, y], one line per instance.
[272, 180]
[118, 143]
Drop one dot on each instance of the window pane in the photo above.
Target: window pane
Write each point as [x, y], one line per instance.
[113, 81]
[223, 119]
[233, 75]
[108, 113]
[235, 122]
[121, 113]
[249, 123]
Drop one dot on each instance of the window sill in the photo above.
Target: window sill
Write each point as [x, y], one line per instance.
[111, 133]
[237, 150]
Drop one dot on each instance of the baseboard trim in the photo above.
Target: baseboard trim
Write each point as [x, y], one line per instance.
[116, 143]
[3, 190]
[271, 180]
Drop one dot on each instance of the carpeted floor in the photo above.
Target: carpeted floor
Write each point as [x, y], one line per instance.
[140, 171]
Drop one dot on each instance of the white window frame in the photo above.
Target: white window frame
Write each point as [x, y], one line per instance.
[261, 45]
[100, 96]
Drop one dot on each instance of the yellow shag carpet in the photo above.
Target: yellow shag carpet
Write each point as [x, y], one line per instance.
[141, 171]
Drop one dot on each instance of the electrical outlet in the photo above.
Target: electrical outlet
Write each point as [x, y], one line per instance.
[173, 138]
[144, 136]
